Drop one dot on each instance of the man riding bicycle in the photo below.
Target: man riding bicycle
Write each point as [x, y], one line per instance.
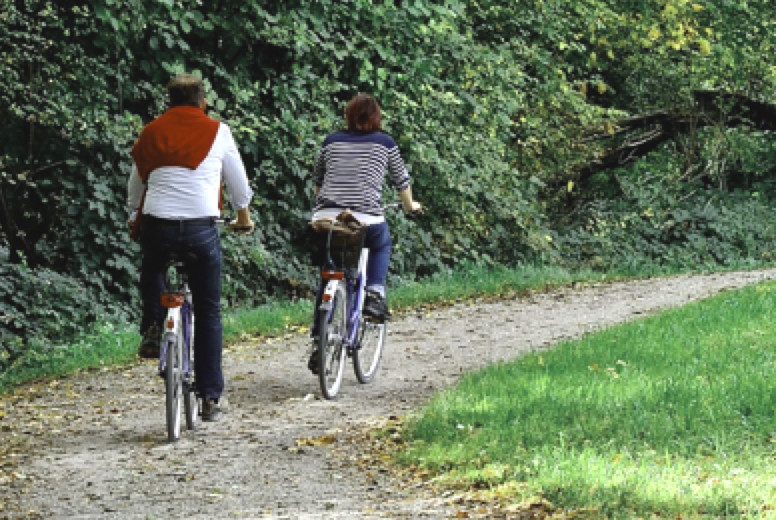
[174, 194]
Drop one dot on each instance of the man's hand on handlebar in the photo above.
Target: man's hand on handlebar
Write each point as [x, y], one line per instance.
[241, 228]
[243, 224]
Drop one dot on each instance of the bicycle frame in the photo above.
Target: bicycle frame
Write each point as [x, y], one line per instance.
[343, 330]
[178, 305]
[355, 288]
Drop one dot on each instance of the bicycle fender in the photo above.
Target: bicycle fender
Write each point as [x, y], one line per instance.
[328, 295]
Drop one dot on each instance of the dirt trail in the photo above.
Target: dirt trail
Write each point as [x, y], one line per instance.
[94, 445]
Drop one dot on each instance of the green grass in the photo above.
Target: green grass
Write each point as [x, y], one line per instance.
[103, 346]
[673, 414]
[478, 281]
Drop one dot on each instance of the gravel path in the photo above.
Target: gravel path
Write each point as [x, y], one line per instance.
[94, 445]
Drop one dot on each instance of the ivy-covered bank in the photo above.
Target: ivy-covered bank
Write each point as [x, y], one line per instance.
[499, 109]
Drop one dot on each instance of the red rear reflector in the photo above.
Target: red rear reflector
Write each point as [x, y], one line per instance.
[332, 275]
[326, 297]
[170, 300]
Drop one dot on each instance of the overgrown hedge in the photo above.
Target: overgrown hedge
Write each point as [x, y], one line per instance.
[491, 104]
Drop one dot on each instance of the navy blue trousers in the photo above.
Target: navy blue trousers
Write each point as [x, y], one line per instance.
[200, 247]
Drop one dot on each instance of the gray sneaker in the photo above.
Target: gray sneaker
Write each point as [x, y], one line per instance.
[211, 411]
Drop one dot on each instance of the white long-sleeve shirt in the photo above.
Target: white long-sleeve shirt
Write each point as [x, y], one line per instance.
[177, 192]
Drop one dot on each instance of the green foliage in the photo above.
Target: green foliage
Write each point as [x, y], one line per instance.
[492, 104]
[656, 213]
[40, 310]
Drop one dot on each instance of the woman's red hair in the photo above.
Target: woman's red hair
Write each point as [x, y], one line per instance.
[362, 114]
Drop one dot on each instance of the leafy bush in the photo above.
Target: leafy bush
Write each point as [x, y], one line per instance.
[489, 101]
[650, 216]
[41, 308]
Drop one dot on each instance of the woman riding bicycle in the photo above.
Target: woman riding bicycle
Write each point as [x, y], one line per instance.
[349, 173]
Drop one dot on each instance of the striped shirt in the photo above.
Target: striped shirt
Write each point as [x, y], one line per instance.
[351, 168]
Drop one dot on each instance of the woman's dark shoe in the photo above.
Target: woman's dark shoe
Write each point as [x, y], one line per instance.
[149, 345]
[314, 363]
[375, 307]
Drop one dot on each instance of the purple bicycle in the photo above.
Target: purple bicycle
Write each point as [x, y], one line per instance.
[343, 330]
[176, 360]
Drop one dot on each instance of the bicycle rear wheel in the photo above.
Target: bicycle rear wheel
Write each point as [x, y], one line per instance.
[369, 351]
[173, 375]
[332, 325]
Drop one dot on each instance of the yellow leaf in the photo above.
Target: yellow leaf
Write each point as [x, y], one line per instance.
[705, 47]
[570, 186]
[548, 238]
[601, 87]
[323, 440]
[697, 7]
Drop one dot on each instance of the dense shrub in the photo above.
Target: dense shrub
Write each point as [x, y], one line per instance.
[492, 103]
[42, 308]
[657, 215]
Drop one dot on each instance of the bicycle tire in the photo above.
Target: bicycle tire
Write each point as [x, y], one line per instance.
[332, 325]
[369, 350]
[173, 375]
[191, 402]
[191, 407]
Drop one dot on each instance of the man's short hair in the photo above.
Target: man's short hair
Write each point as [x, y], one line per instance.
[186, 89]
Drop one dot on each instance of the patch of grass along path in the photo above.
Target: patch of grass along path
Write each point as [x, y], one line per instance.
[672, 414]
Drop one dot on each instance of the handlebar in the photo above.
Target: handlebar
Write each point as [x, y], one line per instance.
[399, 205]
[225, 221]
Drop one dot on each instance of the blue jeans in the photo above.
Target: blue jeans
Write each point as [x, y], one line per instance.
[200, 247]
[378, 240]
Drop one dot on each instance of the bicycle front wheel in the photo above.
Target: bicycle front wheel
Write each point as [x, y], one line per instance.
[173, 375]
[369, 350]
[191, 403]
[332, 325]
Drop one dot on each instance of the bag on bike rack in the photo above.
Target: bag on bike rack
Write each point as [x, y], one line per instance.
[347, 239]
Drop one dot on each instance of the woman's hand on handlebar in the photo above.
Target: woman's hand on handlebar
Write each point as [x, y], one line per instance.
[411, 206]
[414, 208]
